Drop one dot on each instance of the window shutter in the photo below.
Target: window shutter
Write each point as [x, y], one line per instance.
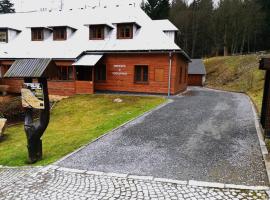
[159, 75]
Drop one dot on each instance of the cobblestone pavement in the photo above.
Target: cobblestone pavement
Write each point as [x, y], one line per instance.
[10, 175]
[67, 184]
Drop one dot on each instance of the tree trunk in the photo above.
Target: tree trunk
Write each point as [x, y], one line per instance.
[225, 48]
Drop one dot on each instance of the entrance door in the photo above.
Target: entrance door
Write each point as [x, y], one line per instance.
[84, 73]
[84, 80]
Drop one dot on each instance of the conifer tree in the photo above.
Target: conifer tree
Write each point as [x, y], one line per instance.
[6, 7]
[156, 9]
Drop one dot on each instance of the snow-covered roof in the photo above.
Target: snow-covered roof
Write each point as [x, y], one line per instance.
[165, 25]
[147, 37]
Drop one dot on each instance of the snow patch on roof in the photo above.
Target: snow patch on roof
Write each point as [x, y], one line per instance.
[147, 37]
[165, 25]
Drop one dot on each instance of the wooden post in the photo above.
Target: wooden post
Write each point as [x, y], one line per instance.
[35, 129]
[265, 112]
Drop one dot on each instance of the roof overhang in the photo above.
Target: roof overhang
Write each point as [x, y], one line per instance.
[40, 27]
[31, 68]
[9, 28]
[101, 24]
[60, 26]
[88, 60]
[130, 22]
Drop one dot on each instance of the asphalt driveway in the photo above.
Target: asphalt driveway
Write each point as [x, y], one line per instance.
[205, 136]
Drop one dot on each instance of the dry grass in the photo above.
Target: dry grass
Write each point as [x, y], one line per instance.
[237, 73]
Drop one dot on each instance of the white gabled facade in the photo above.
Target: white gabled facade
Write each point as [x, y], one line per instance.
[147, 35]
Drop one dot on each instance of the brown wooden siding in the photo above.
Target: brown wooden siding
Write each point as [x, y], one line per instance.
[84, 87]
[120, 69]
[195, 80]
[180, 74]
[14, 85]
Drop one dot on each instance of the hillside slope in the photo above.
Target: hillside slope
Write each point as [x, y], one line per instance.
[236, 73]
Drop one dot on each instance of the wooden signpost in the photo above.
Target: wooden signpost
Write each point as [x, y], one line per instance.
[265, 112]
[34, 96]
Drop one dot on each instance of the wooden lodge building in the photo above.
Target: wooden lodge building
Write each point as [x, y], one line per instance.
[116, 48]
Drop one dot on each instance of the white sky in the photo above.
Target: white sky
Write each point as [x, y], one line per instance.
[28, 5]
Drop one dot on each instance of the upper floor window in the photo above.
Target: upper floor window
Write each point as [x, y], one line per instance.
[124, 31]
[59, 33]
[37, 34]
[97, 32]
[3, 35]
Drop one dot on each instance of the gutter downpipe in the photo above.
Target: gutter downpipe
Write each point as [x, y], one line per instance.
[170, 74]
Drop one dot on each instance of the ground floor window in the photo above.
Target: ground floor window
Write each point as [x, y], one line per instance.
[100, 73]
[84, 73]
[141, 74]
[65, 73]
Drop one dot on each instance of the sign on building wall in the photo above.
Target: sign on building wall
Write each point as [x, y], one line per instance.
[32, 96]
[119, 70]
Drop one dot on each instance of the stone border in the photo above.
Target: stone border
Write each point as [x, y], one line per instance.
[115, 129]
[191, 183]
[259, 130]
[19, 167]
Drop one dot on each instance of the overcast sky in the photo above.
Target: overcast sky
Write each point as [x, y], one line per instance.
[27, 5]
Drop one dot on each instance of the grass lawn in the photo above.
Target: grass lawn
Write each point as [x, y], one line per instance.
[74, 122]
[237, 73]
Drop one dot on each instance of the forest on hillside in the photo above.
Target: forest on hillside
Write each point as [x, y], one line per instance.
[227, 28]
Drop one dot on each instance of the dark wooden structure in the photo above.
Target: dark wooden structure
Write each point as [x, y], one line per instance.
[265, 112]
[39, 69]
[196, 73]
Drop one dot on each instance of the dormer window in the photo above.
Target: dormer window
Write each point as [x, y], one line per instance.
[59, 33]
[96, 32]
[3, 35]
[37, 34]
[125, 31]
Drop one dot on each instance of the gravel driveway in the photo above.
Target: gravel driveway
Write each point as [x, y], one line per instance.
[205, 135]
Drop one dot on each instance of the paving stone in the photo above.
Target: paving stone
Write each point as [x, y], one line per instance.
[57, 183]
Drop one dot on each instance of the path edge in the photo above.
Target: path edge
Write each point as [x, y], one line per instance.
[259, 130]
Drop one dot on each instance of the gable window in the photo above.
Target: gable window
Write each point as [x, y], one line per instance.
[37, 34]
[100, 73]
[97, 32]
[141, 74]
[59, 33]
[124, 31]
[3, 35]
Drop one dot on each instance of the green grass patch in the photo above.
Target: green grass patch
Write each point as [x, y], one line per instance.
[74, 122]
